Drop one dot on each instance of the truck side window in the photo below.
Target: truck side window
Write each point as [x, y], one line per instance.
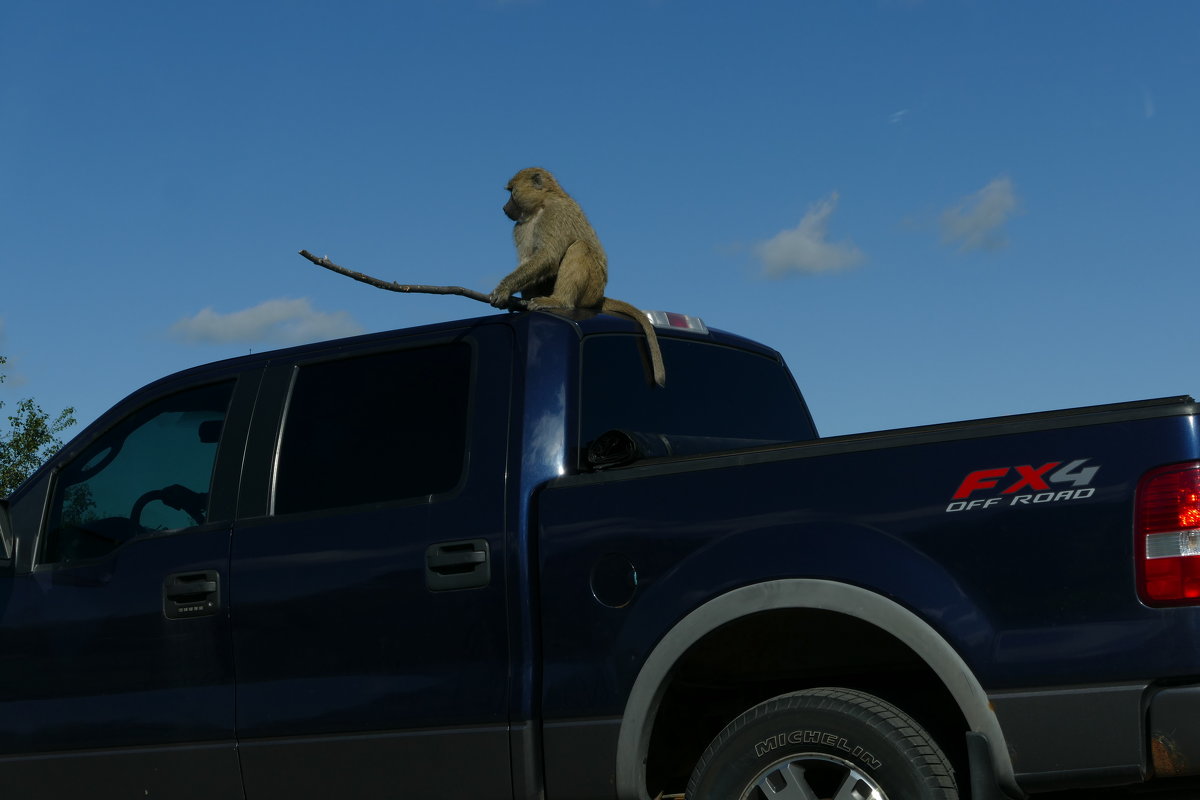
[150, 472]
[716, 397]
[375, 429]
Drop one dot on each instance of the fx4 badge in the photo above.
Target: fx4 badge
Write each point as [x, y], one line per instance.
[1025, 485]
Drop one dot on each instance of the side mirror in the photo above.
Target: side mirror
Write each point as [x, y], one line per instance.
[8, 544]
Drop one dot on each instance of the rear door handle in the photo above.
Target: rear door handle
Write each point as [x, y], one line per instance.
[191, 594]
[457, 565]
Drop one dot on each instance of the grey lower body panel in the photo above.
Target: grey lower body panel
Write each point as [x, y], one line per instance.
[579, 758]
[1092, 736]
[182, 772]
[473, 761]
[1075, 737]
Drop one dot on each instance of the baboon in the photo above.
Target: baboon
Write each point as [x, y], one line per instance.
[560, 263]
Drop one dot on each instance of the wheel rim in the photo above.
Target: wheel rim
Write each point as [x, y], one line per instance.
[813, 776]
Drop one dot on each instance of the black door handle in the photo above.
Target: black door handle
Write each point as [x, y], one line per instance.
[447, 561]
[457, 565]
[191, 594]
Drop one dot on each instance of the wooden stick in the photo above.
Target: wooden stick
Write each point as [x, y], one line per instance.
[404, 288]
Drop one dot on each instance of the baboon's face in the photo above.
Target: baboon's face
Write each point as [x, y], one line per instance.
[522, 196]
[527, 192]
[510, 208]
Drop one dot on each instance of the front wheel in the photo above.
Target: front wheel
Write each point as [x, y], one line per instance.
[823, 744]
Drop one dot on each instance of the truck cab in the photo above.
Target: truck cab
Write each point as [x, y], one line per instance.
[303, 572]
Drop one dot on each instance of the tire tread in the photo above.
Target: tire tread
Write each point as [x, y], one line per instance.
[894, 724]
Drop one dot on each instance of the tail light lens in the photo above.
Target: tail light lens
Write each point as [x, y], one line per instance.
[681, 322]
[1167, 525]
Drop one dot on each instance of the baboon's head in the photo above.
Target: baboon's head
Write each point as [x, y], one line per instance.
[527, 192]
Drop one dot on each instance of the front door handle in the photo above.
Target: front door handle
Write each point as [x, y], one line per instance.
[191, 594]
[457, 565]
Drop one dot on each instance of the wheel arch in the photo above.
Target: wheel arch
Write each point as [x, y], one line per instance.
[656, 674]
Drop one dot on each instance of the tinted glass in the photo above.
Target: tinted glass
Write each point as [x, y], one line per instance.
[151, 472]
[712, 391]
[375, 429]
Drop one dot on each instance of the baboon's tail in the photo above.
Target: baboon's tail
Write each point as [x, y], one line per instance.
[656, 362]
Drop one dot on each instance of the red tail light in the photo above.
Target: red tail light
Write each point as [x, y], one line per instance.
[1167, 527]
[683, 322]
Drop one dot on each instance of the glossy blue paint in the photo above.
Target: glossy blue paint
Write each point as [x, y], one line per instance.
[1031, 595]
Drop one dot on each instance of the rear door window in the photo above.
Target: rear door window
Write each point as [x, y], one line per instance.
[375, 429]
[716, 398]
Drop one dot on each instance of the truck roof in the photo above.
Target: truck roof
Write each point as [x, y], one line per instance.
[585, 322]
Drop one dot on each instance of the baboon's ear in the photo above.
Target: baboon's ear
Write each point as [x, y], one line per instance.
[537, 179]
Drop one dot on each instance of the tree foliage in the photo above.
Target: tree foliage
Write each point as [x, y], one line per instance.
[30, 438]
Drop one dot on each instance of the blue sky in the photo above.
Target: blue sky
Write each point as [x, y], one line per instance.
[934, 210]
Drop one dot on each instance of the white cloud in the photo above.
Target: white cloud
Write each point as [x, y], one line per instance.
[976, 222]
[804, 248]
[278, 322]
[1148, 107]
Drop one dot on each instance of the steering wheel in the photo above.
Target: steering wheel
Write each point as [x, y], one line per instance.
[174, 496]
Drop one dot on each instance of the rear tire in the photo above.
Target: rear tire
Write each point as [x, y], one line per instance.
[823, 744]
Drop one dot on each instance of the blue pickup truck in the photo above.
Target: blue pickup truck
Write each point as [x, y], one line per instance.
[491, 559]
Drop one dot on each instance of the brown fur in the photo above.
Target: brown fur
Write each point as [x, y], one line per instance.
[560, 261]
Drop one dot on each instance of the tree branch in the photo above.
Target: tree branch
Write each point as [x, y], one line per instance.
[404, 288]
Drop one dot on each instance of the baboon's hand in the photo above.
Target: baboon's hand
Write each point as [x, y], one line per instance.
[500, 296]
